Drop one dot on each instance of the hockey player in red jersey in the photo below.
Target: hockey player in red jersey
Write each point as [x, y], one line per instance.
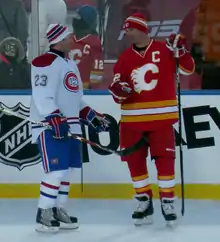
[87, 48]
[144, 86]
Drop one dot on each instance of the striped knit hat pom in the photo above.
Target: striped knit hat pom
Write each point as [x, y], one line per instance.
[56, 33]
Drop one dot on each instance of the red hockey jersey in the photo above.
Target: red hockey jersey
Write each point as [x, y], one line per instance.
[152, 75]
[87, 52]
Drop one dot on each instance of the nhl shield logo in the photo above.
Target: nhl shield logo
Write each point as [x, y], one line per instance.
[15, 139]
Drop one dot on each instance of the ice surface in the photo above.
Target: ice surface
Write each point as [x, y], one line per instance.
[110, 221]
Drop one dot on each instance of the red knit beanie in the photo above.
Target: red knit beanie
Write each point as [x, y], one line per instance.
[136, 21]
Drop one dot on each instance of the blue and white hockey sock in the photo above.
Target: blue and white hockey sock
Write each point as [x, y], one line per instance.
[63, 194]
[64, 190]
[49, 189]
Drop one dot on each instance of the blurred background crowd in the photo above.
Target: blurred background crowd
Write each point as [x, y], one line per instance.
[96, 32]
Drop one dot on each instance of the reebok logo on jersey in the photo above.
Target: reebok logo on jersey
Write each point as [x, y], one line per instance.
[169, 149]
[71, 82]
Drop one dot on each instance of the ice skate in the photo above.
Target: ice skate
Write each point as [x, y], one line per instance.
[168, 211]
[66, 221]
[46, 222]
[144, 211]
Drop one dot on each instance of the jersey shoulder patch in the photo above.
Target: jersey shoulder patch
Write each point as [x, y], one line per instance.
[44, 60]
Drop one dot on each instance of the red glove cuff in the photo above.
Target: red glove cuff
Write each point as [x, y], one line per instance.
[120, 91]
[84, 112]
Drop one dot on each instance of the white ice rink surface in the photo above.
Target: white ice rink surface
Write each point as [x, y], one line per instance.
[110, 221]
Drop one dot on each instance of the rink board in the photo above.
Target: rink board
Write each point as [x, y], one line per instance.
[104, 175]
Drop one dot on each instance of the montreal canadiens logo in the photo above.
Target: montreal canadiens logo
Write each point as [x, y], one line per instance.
[71, 82]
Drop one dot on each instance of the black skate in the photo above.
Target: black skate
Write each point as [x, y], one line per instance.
[168, 211]
[66, 221]
[46, 222]
[144, 211]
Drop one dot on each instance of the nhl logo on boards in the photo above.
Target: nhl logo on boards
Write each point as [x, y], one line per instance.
[71, 82]
[15, 139]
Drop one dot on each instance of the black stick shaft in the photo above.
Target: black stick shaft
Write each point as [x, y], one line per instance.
[180, 135]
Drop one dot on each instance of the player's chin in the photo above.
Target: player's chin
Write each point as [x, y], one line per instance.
[68, 48]
[132, 39]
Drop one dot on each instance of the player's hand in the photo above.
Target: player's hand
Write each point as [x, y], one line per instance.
[120, 90]
[59, 125]
[99, 122]
[94, 119]
[176, 43]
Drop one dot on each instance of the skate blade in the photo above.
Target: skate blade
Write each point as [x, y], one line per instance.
[45, 229]
[171, 224]
[144, 221]
[68, 226]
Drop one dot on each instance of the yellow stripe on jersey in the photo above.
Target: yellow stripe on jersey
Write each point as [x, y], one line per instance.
[96, 76]
[156, 104]
[144, 118]
[187, 71]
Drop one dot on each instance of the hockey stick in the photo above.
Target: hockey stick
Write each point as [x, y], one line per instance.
[122, 152]
[180, 135]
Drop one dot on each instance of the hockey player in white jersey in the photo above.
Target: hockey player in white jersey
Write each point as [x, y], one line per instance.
[57, 100]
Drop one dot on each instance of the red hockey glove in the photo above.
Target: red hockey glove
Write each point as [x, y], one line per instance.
[176, 43]
[60, 127]
[94, 119]
[120, 91]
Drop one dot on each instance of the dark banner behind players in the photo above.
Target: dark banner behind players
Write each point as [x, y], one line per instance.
[191, 127]
[15, 137]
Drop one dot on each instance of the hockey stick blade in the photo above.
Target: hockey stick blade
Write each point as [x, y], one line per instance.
[122, 152]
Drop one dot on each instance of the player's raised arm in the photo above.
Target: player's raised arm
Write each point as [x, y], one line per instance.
[176, 43]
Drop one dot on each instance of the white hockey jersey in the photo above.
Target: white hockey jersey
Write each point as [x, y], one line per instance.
[56, 84]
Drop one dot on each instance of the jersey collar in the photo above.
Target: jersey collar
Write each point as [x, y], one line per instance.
[57, 52]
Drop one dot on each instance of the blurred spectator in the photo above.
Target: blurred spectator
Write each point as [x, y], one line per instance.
[118, 11]
[73, 4]
[136, 6]
[87, 47]
[207, 69]
[202, 30]
[13, 21]
[15, 72]
[50, 12]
